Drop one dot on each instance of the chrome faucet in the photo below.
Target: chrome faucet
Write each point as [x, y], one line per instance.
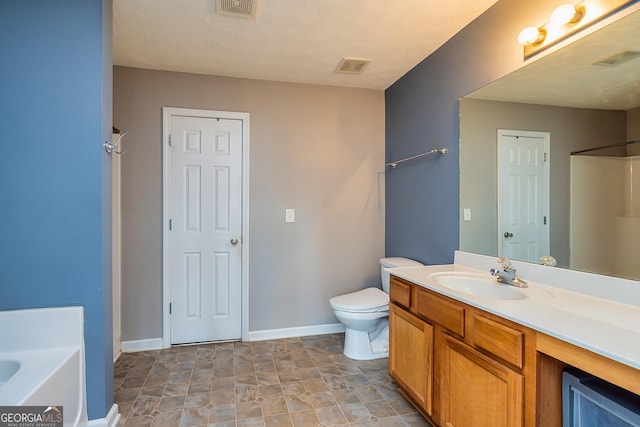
[507, 274]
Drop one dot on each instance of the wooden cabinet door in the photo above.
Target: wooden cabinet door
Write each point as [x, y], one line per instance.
[477, 391]
[411, 355]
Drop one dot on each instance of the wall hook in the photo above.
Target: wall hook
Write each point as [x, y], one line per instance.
[112, 147]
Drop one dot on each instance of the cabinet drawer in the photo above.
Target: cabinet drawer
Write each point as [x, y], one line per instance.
[399, 292]
[501, 340]
[440, 311]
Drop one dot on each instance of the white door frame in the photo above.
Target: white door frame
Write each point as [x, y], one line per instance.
[167, 114]
[546, 137]
[116, 250]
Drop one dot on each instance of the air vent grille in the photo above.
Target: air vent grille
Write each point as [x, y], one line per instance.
[352, 65]
[618, 58]
[237, 8]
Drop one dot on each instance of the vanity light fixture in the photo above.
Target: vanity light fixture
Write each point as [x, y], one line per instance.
[532, 35]
[566, 14]
[565, 20]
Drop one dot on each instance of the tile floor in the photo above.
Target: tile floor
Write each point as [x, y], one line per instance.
[289, 382]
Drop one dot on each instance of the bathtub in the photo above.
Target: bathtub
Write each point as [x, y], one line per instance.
[42, 360]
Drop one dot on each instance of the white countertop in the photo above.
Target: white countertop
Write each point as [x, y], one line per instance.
[570, 306]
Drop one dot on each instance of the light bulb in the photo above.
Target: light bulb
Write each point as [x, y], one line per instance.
[566, 14]
[530, 35]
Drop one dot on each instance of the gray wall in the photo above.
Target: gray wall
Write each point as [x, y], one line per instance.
[571, 129]
[317, 149]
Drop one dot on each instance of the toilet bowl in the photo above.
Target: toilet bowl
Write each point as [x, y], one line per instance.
[365, 315]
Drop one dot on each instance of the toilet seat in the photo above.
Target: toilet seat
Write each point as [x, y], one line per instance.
[369, 300]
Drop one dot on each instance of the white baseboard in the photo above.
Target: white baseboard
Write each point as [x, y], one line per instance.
[141, 345]
[111, 420]
[267, 334]
[303, 331]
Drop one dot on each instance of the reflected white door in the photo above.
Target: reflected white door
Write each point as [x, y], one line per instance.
[523, 194]
[205, 233]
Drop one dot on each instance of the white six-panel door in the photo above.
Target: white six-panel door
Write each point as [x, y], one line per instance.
[523, 194]
[205, 215]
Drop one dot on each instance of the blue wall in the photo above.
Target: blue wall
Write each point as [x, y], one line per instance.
[422, 213]
[55, 111]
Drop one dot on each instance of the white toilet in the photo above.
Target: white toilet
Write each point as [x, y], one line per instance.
[365, 315]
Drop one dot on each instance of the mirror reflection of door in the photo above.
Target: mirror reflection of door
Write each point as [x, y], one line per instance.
[523, 194]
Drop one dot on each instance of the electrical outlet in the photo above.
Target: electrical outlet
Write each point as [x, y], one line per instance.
[289, 215]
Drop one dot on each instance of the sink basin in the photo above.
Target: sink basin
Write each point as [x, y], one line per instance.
[477, 284]
[7, 369]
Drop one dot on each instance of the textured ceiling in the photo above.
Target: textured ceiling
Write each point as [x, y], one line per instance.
[568, 77]
[289, 40]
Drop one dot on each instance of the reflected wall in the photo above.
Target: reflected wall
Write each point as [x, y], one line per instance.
[571, 129]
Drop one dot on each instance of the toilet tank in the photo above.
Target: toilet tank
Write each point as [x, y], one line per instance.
[393, 262]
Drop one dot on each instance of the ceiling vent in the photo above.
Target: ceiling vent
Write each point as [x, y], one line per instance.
[618, 58]
[352, 65]
[237, 8]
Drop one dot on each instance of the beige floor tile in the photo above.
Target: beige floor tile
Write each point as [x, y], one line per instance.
[223, 397]
[248, 410]
[294, 388]
[197, 400]
[170, 404]
[251, 422]
[305, 419]
[273, 390]
[280, 420]
[356, 412]
[322, 399]
[144, 407]
[192, 417]
[331, 416]
[380, 409]
[297, 382]
[274, 406]
[222, 413]
[170, 419]
[247, 393]
[345, 397]
[141, 421]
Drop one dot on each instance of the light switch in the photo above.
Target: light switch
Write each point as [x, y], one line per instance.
[290, 215]
[467, 214]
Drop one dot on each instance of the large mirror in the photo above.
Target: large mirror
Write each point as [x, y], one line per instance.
[585, 207]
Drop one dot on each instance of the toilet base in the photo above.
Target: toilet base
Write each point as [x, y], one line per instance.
[363, 345]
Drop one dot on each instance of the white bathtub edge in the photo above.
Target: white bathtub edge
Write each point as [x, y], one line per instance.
[111, 420]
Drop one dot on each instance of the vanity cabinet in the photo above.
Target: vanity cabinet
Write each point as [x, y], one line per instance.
[476, 390]
[478, 365]
[411, 363]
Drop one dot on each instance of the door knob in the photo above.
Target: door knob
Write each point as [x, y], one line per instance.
[507, 234]
[234, 241]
